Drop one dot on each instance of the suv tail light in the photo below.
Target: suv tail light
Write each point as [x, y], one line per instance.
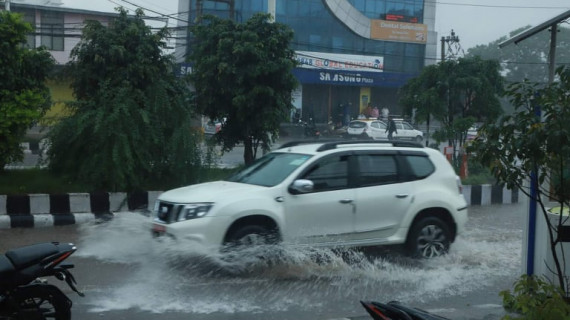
[459, 185]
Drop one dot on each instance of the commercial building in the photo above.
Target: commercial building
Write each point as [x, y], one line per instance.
[351, 52]
[59, 29]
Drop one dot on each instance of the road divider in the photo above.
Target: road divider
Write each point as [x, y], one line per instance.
[44, 210]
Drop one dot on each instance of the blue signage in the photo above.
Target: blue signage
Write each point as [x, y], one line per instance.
[347, 78]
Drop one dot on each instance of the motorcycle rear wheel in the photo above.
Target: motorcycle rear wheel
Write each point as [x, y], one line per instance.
[38, 302]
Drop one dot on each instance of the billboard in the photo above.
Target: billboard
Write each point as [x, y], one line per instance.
[398, 31]
[339, 62]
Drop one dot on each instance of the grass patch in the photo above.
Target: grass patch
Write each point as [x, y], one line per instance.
[37, 181]
[28, 181]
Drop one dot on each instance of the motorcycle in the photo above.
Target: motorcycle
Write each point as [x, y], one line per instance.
[24, 294]
[310, 129]
[394, 310]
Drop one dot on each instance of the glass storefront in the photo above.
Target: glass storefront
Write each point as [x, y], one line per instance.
[318, 30]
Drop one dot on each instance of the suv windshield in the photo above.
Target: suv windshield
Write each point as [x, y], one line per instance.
[270, 169]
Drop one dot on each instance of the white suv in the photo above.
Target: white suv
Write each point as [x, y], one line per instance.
[343, 193]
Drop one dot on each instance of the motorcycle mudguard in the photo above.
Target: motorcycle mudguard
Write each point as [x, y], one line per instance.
[415, 312]
[60, 300]
[382, 311]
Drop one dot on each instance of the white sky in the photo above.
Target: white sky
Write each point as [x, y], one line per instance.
[474, 21]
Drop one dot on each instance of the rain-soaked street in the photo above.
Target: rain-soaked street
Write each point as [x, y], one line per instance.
[126, 274]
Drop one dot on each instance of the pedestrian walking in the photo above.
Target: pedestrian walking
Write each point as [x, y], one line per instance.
[391, 129]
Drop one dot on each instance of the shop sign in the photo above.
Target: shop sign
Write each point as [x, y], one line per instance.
[398, 31]
[344, 78]
[334, 61]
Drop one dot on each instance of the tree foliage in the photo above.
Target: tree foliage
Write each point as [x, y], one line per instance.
[242, 73]
[24, 96]
[535, 299]
[131, 118]
[535, 139]
[456, 93]
[527, 59]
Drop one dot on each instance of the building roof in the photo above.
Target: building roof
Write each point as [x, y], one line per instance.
[62, 9]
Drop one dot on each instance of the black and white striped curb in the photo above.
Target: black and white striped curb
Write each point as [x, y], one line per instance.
[39, 210]
[477, 195]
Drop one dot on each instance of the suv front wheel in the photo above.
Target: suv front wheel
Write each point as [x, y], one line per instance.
[251, 235]
[428, 238]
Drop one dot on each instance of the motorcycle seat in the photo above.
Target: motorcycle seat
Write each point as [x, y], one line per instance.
[6, 267]
[26, 256]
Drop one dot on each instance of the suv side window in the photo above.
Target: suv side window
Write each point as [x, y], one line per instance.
[420, 166]
[376, 169]
[330, 173]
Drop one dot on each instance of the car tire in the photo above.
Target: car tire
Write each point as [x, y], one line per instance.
[428, 238]
[419, 139]
[251, 235]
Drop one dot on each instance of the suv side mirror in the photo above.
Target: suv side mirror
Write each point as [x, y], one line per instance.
[301, 186]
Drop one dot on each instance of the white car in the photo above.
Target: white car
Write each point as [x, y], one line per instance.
[367, 129]
[406, 131]
[334, 194]
[212, 127]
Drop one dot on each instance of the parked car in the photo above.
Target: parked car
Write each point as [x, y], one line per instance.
[472, 133]
[367, 129]
[335, 194]
[405, 131]
[212, 127]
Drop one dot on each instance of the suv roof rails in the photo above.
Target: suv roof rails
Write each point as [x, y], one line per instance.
[311, 141]
[332, 144]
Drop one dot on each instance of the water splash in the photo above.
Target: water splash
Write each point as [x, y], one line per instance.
[178, 276]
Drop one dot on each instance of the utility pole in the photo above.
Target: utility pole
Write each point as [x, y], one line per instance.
[7, 5]
[452, 43]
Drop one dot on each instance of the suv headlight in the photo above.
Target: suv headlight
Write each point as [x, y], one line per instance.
[193, 211]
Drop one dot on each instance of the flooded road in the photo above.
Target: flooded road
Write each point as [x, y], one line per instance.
[126, 274]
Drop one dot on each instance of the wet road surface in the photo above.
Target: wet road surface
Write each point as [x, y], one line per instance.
[126, 274]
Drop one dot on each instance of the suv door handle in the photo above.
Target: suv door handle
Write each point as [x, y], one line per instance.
[346, 201]
[402, 195]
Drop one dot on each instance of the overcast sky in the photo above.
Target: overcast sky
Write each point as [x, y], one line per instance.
[474, 21]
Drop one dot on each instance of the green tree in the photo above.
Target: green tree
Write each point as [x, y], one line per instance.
[527, 59]
[24, 96]
[242, 73]
[426, 95]
[457, 93]
[131, 119]
[522, 144]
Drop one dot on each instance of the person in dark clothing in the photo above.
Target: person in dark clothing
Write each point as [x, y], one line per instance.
[391, 128]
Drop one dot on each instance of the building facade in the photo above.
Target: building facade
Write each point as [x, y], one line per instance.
[351, 53]
[59, 29]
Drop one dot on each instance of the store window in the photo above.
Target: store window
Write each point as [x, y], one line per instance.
[29, 16]
[52, 30]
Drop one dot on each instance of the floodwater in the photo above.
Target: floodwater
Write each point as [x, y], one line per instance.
[166, 276]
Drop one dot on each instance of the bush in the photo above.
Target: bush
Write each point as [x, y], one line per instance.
[535, 299]
[28, 181]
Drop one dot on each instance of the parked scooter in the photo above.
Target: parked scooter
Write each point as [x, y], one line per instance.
[24, 294]
[310, 129]
[394, 310]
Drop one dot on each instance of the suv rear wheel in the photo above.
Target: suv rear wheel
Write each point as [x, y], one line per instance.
[428, 238]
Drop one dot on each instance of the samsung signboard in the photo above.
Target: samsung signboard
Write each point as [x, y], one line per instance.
[345, 69]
